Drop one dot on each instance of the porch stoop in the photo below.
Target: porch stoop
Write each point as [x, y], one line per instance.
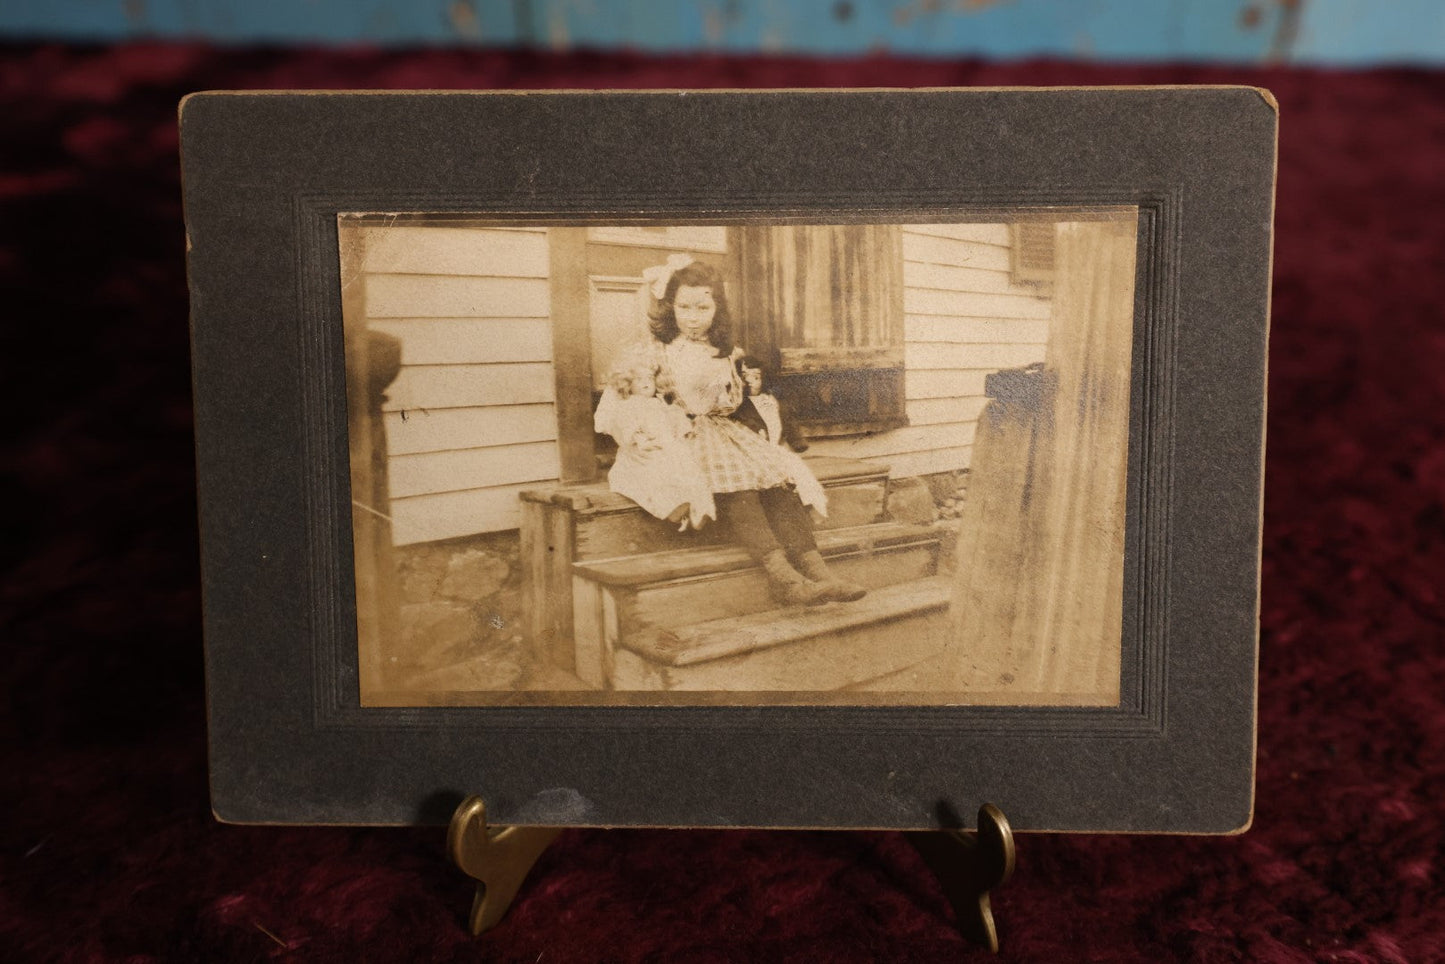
[791, 650]
[625, 602]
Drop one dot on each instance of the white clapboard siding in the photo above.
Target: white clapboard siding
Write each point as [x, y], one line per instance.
[930, 301]
[932, 355]
[461, 341]
[448, 515]
[469, 386]
[964, 318]
[447, 296]
[441, 429]
[918, 248]
[987, 331]
[462, 469]
[997, 234]
[943, 384]
[470, 420]
[938, 411]
[457, 251]
[976, 280]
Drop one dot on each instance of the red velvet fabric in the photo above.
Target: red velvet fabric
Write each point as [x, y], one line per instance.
[108, 851]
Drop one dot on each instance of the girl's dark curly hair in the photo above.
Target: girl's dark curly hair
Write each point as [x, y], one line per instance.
[696, 275]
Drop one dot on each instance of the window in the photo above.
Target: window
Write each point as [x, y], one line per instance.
[823, 306]
[1032, 260]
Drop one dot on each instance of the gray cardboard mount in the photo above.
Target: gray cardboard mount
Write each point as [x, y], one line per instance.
[265, 175]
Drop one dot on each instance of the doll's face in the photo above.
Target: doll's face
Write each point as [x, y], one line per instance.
[644, 385]
[693, 307]
[753, 378]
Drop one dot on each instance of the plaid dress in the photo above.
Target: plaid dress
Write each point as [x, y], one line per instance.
[732, 457]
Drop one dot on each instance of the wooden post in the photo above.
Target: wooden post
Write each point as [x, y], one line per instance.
[572, 353]
[372, 362]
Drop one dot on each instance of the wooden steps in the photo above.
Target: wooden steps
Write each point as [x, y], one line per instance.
[702, 618]
[627, 603]
[714, 581]
[566, 524]
[798, 649]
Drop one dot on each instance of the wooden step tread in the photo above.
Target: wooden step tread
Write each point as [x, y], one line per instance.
[654, 567]
[597, 497]
[733, 636]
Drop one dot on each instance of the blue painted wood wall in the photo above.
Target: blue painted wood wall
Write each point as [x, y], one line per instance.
[1241, 31]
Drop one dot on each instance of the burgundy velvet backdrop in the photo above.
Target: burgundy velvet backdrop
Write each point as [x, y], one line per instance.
[108, 851]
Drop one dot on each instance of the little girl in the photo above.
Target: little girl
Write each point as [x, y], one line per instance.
[655, 467]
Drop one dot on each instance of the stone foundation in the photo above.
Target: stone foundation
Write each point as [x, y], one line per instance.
[947, 491]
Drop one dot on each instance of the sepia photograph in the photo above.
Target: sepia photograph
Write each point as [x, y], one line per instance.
[744, 463]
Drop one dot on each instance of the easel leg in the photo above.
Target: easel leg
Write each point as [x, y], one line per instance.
[498, 859]
[968, 866]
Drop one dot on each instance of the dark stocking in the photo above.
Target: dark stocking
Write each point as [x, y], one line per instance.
[789, 520]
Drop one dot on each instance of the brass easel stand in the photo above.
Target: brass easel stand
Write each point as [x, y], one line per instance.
[497, 859]
[967, 865]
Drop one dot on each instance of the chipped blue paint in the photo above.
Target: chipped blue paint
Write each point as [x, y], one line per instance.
[1240, 31]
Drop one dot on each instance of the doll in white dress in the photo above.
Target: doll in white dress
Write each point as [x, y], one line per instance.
[656, 466]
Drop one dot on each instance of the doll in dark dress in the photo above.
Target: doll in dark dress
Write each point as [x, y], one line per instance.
[762, 411]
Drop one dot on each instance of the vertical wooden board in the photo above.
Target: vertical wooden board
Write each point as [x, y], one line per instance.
[571, 352]
[352, 246]
[535, 576]
[561, 550]
[610, 632]
[586, 658]
[555, 561]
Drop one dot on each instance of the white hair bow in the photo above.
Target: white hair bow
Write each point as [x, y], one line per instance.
[659, 275]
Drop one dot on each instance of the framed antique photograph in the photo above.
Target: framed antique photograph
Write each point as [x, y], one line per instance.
[776, 458]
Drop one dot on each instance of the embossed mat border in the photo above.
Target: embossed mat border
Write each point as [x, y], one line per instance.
[266, 175]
